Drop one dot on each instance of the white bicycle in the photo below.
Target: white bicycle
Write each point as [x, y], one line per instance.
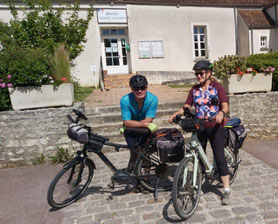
[188, 177]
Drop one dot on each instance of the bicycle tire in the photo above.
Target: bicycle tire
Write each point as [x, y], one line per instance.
[152, 169]
[74, 192]
[232, 163]
[186, 198]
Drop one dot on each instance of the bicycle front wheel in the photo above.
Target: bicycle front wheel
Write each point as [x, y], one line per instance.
[69, 184]
[232, 159]
[185, 196]
[152, 172]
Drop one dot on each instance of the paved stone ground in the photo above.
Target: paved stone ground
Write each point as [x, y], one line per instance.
[254, 199]
[113, 96]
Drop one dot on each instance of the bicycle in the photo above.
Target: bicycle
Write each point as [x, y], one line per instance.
[71, 182]
[188, 177]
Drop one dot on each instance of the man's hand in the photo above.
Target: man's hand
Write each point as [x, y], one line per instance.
[122, 130]
[153, 127]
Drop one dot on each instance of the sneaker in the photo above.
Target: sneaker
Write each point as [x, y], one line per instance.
[225, 198]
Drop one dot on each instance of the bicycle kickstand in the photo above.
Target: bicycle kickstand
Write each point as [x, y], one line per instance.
[112, 184]
[156, 189]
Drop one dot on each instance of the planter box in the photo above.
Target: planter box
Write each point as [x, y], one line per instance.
[44, 96]
[246, 83]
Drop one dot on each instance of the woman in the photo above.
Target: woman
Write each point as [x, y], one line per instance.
[210, 101]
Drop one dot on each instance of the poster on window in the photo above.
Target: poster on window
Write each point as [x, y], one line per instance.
[157, 49]
[144, 48]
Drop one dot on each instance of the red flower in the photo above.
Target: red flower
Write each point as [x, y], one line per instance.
[241, 73]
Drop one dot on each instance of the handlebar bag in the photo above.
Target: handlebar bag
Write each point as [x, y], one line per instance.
[78, 133]
[192, 124]
[169, 143]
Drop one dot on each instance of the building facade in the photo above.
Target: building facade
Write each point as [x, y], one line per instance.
[128, 37]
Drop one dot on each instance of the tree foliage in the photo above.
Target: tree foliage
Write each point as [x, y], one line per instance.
[43, 26]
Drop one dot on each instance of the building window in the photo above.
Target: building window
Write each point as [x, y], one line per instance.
[263, 42]
[200, 41]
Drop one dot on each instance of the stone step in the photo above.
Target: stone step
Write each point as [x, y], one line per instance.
[95, 120]
[115, 126]
[116, 109]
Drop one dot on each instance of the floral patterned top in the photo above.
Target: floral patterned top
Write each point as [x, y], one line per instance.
[207, 103]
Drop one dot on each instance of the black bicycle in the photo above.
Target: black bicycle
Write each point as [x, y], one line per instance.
[71, 182]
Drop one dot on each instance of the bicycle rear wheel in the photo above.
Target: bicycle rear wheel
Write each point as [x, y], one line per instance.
[150, 170]
[232, 159]
[69, 184]
[185, 196]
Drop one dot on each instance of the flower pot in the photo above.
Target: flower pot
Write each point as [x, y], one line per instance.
[246, 83]
[41, 96]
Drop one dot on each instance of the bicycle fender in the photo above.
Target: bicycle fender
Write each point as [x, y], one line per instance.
[77, 159]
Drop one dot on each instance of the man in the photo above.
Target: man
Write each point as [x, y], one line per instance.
[138, 110]
[139, 107]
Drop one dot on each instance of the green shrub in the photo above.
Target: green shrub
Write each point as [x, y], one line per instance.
[258, 61]
[26, 67]
[61, 156]
[229, 64]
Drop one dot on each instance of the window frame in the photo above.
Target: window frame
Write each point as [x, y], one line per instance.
[265, 42]
[207, 44]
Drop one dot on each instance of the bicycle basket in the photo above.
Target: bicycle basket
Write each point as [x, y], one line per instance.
[78, 133]
[192, 124]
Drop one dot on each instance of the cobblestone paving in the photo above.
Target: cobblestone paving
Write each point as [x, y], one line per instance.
[254, 199]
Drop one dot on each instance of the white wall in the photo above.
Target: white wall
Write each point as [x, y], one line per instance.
[174, 26]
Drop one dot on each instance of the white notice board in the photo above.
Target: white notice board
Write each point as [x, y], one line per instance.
[144, 49]
[157, 49]
[150, 49]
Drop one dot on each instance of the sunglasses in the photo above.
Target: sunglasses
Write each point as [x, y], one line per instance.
[139, 88]
[199, 73]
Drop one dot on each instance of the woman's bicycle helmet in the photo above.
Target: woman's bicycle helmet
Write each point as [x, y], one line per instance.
[138, 81]
[200, 65]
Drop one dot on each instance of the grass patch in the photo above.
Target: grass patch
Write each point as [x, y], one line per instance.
[182, 86]
[61, 156]
[80, 93]
[39, 160]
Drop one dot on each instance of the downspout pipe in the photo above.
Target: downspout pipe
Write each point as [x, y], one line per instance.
[236, 29]
[252, 44]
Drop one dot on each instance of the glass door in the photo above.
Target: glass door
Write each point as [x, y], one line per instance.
[114, 53]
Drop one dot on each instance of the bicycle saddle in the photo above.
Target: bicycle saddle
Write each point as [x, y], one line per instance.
[138, 131]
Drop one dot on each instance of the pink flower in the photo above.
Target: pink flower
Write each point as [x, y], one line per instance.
[64, 79]
[267, 69]
[9, 76]
[3, 85]
[10, 85]
[272, 69]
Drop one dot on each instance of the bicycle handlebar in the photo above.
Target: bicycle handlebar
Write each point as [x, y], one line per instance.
[79, 115]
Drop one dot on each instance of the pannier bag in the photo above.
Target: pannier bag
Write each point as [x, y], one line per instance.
[169, 143]
[95, 143]
[78, 133]
[192, 124]
[235, 136]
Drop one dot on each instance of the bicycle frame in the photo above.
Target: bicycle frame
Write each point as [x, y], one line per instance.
[199, 151]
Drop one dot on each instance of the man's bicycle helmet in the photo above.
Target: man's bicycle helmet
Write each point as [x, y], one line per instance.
[138, 81]
[200, 65]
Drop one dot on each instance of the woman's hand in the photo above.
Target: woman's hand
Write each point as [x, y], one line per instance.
[170, 119]
[219, 117]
